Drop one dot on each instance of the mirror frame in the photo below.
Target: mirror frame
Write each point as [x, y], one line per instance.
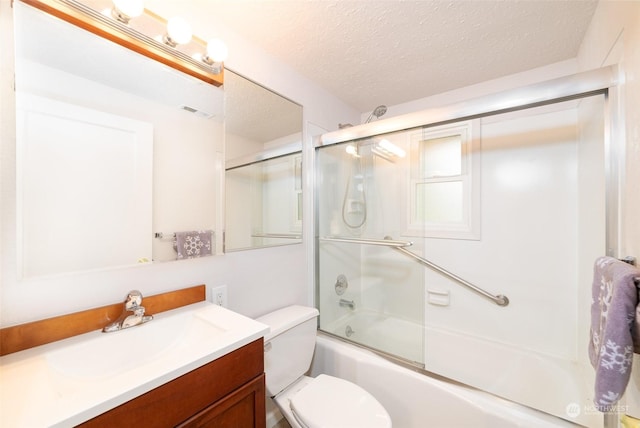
[84, 17]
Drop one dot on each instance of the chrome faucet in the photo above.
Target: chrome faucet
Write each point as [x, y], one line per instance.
[347, 304]
[132, 315]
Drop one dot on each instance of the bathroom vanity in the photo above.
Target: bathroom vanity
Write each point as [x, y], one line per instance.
[200, 365]
[228, 391]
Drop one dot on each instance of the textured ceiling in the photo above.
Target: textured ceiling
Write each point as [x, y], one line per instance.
[371, 52]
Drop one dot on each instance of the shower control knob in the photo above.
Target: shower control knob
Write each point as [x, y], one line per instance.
[341, 284]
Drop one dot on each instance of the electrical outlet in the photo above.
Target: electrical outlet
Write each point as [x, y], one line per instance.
[219, 295]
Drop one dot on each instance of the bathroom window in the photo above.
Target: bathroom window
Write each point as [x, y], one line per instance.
[444, 196]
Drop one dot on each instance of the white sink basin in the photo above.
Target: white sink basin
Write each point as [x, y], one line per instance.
[109, 354]
[70, 381]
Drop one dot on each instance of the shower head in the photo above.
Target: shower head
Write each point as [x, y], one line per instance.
[377, 112]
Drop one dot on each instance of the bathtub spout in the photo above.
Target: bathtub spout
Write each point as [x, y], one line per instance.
[347, 304]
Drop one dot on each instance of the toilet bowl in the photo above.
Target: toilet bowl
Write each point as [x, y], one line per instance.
[306, 402]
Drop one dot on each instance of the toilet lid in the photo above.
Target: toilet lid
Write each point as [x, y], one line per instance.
[332, 402]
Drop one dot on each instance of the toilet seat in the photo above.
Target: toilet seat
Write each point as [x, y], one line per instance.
[328, 401]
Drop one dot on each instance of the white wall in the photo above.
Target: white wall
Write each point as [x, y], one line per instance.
[612, 38]
[258, 280]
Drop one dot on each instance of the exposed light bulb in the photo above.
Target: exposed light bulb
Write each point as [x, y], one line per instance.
[178, 32]
[216, 54]
[124, 10]
[217, 51]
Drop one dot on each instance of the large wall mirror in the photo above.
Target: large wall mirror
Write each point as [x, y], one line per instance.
[117, 154]
[263, 180]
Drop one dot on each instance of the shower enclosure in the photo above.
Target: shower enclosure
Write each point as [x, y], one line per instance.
[461, 240]
[360, 271]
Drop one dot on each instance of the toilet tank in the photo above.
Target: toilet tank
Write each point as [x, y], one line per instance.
[288, 346]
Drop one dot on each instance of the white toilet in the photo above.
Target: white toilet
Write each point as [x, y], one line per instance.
[324, 401]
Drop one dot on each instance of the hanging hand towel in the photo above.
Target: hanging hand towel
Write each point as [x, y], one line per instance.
[196, 243]
[613, 321]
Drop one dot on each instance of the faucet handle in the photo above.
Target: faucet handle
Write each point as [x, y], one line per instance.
[133, 300]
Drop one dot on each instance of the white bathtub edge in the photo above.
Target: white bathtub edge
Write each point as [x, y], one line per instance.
[468, 406]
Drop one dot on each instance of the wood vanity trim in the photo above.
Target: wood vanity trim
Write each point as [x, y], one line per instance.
[29, 335]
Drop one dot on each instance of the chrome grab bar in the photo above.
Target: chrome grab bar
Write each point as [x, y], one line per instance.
[499, 299]
[382, 242]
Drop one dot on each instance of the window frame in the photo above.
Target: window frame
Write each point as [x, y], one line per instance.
[469, 226]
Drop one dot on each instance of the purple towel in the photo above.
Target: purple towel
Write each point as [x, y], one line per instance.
[613, 328]
[196, 243]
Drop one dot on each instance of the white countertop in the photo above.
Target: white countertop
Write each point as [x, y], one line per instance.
[73, 380]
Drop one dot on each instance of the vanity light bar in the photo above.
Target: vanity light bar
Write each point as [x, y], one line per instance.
[93, 21]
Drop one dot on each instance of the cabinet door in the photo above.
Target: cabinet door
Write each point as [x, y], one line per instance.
[243, 408]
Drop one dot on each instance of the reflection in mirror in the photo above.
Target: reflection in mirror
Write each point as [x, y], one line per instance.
[265, 203]
[263, 180]
[112, 147]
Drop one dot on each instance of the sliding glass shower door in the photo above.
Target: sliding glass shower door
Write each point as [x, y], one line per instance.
[368, 291]
[466, 248]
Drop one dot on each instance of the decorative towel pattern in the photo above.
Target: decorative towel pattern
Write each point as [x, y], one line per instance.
[192, 244]
[613, 328]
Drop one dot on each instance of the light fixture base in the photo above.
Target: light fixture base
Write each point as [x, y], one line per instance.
[167, 40]
[216, 67]
[116, 14]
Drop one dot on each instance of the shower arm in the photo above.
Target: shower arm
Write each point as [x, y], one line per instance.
[400, 246]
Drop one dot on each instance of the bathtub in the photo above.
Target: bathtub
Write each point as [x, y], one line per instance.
[416, 400]
[385, 333]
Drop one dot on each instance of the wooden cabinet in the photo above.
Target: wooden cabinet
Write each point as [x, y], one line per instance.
[239, 409]
[228, 392]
